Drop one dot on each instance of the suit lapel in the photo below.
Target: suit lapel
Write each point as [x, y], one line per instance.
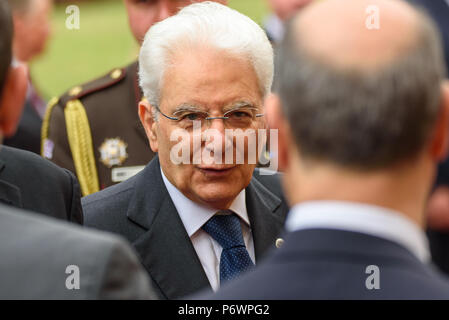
[165, 248]
[9, 193]
[266, 217]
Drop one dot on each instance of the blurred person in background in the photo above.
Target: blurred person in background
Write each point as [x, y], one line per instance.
[41, 258]
[93, 129]
[282, 10]
[26, 180]
[438, 205]
[31, 20]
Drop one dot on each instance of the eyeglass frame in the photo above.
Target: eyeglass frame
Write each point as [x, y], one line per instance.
[257, 115]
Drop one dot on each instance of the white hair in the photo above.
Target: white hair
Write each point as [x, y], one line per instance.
[198, 24]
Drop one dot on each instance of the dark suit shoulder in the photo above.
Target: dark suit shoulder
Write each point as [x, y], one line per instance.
[106, 209]
[46, 248]
[44, 187]
[332, 264]
[14, 157]
[28, 168]
[112, 192]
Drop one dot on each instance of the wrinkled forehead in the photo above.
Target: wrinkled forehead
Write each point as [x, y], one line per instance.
[209, 79]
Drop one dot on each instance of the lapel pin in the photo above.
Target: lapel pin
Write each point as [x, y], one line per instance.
[279, 242]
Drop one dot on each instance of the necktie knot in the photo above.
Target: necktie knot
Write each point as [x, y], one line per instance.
[226, 230]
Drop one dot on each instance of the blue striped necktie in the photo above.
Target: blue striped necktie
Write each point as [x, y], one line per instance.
[227, 231]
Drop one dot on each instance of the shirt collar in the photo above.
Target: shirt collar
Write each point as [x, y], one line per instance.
[195, 215]
[369, 219]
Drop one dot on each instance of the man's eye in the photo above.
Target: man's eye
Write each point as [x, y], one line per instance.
[191, 116]
[239, 114]
[144, 2]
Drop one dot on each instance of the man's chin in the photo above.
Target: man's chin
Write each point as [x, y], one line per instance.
[219, 196]
[218, 201]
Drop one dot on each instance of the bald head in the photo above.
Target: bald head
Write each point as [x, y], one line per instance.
[356, 96]
[338, 32]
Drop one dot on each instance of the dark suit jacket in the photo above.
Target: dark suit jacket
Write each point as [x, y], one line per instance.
[35, 252]
[331, 264]
[28, 135]
[141, 210]
[30, 182]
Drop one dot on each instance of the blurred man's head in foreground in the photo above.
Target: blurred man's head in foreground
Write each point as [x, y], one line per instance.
[356, 100]
[32, 28]
[143, 14]
[13, 78]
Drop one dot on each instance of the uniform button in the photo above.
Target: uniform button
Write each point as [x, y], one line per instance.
[75, 91]
[116, 74]
[279, 242]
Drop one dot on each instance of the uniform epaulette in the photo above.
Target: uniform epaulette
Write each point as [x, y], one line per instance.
[78, 128]
[78, 92]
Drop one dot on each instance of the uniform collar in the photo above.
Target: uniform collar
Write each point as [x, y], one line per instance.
[194, 215]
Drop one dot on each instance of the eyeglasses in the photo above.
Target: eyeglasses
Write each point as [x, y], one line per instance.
[238, 117]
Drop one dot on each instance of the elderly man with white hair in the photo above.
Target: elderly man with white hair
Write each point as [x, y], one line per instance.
[200, 213]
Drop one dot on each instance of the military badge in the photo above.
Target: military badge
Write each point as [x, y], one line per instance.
[113, 152]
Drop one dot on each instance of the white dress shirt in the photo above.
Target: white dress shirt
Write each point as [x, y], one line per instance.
[194, 216]
[368, 219]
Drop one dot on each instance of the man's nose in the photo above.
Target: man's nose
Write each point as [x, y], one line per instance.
[219, 126]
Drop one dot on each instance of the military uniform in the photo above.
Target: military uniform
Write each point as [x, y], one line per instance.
[94, 130]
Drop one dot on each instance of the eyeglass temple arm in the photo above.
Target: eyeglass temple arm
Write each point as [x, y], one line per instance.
[168, 117]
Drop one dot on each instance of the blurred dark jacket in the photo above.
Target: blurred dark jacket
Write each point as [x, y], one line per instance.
[41, 258]
[30, 182]
[332, 264]
[28, 135]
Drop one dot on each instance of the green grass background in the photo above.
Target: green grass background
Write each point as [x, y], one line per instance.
[103, 42]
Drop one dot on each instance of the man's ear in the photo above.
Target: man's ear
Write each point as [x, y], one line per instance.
[440, 144]
[277, 121]
[149, 123]
[13, 99]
